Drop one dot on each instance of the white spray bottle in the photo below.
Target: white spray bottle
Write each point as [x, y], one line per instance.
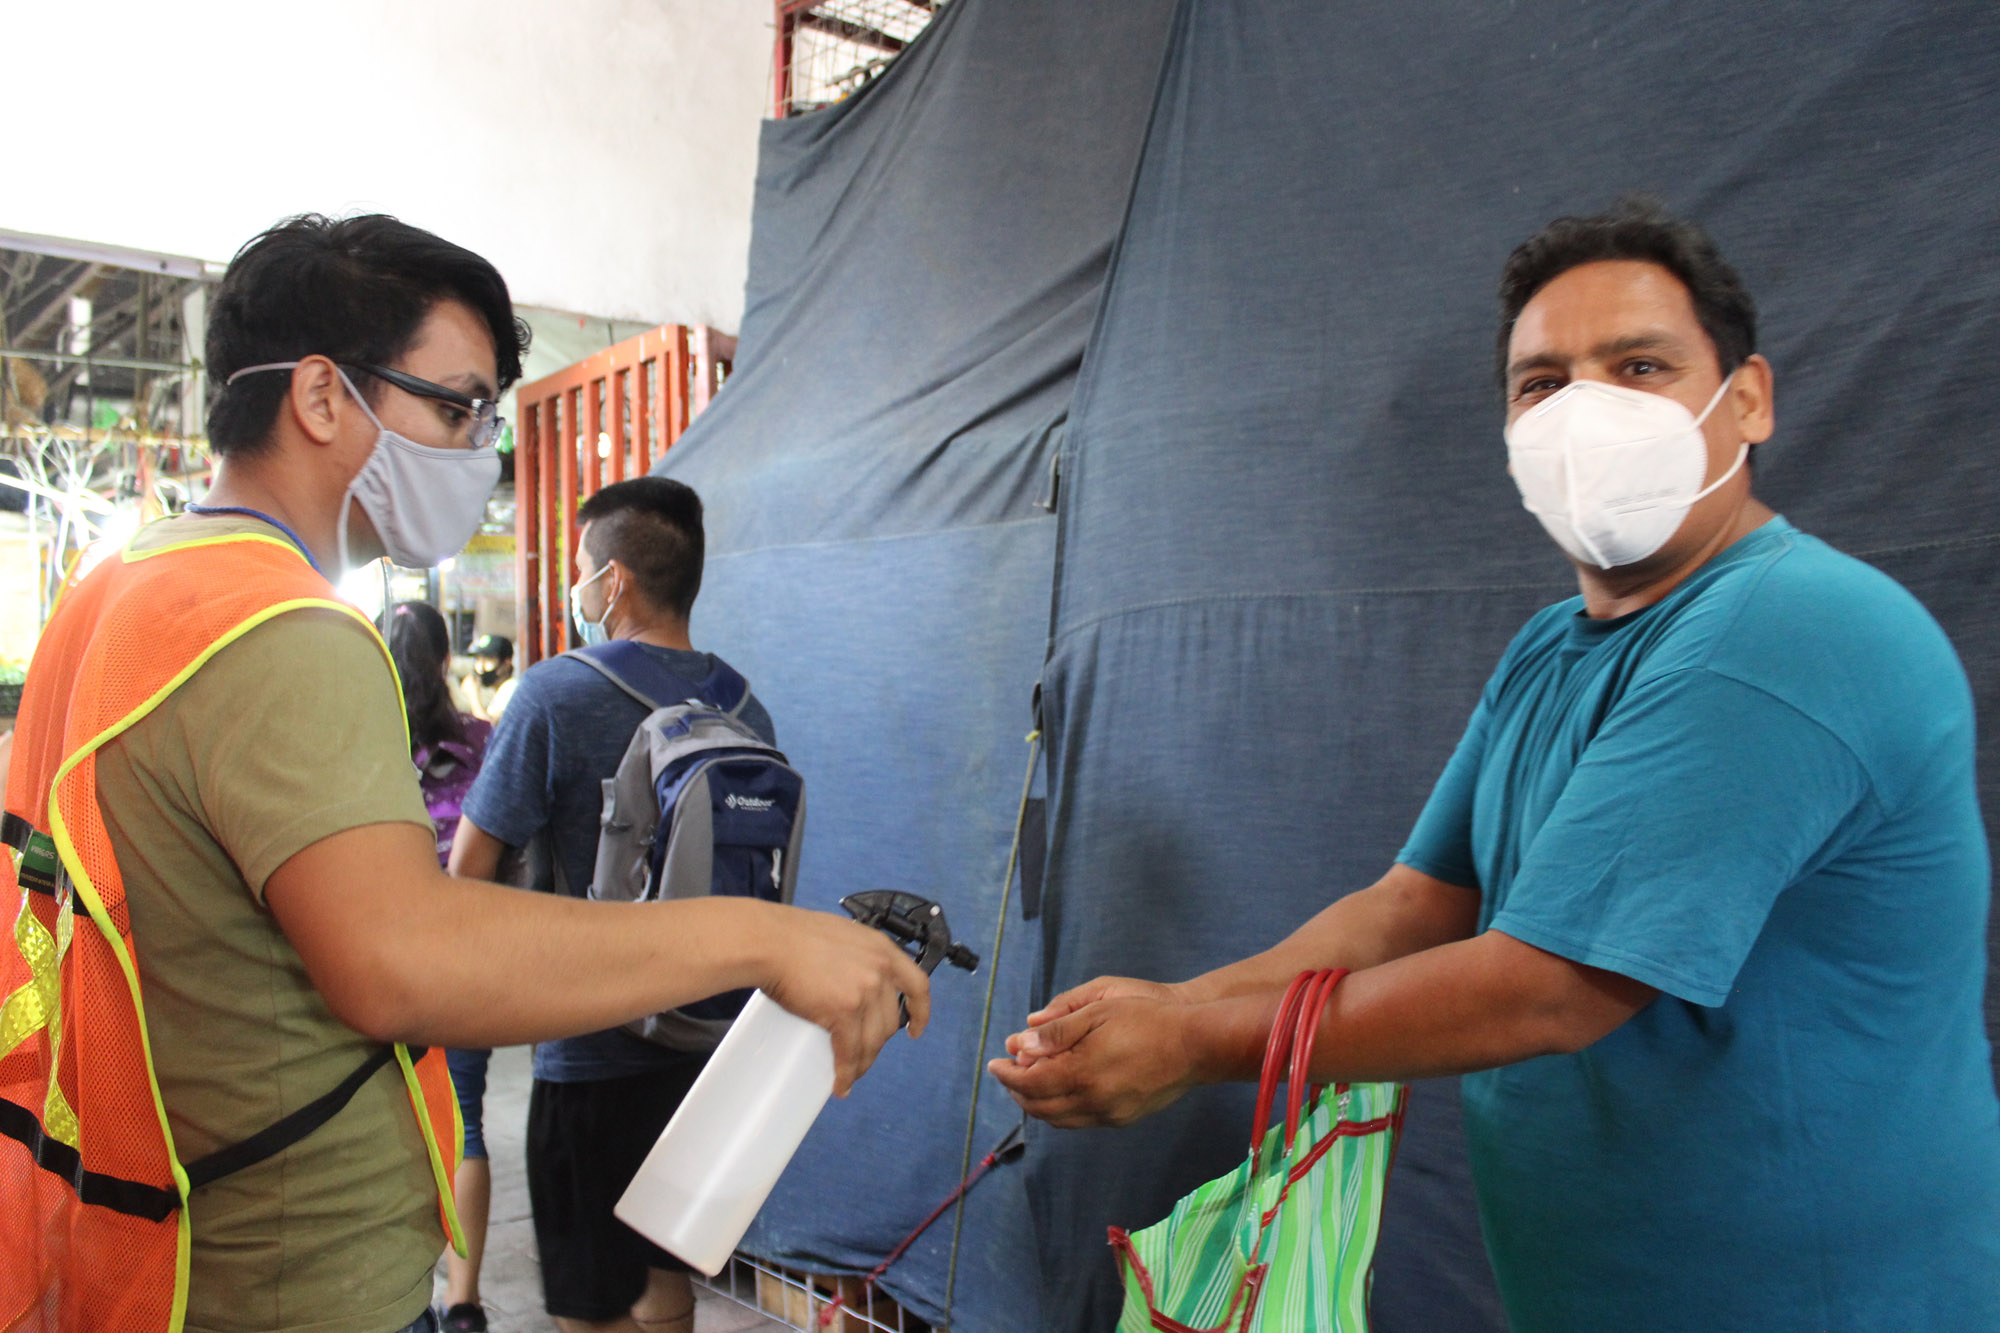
[721, 1154]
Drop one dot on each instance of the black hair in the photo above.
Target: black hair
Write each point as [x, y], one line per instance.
[652, 526]
[354, 290]
[1637, 227]
[421, 645]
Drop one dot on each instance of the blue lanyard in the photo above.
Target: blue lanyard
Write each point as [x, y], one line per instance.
[257, 513]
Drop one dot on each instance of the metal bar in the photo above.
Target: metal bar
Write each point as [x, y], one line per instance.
[642, 416]
[704, 373]
[618, 390]
[180, 266]
[594, 393]
[565, 506]
[527, 536]
[553, 611]
[849, 31]
[66, 286]
[781, 64]
[674, 367]
[109, 362]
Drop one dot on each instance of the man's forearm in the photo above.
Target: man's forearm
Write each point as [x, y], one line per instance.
[467, 963]
[1462, 1006]
[402, 951]
[475, 853]
[1403, 913]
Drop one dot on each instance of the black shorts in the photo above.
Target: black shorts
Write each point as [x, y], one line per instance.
[585, 1143]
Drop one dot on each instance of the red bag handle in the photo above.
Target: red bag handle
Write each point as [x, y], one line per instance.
[1277, 1050]
[1297, 1086]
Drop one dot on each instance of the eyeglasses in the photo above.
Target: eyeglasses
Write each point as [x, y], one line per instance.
[487, 423]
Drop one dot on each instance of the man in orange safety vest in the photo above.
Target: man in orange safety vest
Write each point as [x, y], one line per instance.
[229, 921]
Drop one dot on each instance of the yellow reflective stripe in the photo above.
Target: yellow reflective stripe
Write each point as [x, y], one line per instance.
[58, 1119]
[132, 557]
[183, 1253]
[443, 1175]
[27, 1010]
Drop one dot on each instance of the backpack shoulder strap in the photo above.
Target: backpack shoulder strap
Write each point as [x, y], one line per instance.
[632, 669]
[628, 666]
[725, 688]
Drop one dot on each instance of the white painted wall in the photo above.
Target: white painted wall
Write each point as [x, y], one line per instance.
[600, 152]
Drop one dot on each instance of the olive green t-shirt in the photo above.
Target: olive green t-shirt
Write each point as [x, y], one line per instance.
[287, 736]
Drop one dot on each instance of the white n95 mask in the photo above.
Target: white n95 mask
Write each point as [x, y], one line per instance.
[1610, 471]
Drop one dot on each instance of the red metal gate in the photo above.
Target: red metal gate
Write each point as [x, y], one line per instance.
[606, 418]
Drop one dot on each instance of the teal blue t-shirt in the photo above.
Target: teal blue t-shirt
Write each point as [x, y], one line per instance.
[1756, 795]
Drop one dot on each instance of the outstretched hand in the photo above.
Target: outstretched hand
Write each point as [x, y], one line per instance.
[1117, 1051]
[847, 978]
[1077, 997]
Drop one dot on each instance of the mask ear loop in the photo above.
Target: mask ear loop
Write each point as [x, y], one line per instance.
[347, 500]
[1741, 454]
[605, 619]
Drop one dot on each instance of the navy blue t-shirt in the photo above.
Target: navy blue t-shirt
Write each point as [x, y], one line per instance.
[1757, 796]
[563, 733]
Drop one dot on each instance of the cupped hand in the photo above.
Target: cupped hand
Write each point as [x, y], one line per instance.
[1109, 1061]
[847, 977]
[1077, 997]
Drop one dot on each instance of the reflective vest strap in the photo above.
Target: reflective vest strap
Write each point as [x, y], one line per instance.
[275, 1138]
[131, 1197]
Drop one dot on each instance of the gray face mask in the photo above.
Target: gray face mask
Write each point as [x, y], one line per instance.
[424, 503]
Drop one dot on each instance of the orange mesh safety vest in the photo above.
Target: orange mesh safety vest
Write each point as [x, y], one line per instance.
[93, 1216]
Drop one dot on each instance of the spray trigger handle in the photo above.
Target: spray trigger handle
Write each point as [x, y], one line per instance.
[917, 924]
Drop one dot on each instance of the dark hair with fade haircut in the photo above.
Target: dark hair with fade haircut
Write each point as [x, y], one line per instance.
[652, 526]
[1638, 227]
[353, 290]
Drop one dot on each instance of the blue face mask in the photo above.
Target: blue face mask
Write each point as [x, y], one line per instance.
[594, 631]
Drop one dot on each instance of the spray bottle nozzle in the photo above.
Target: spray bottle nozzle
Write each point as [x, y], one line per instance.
[917, 924]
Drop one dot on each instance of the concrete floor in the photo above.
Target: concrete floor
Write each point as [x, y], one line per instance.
[511, 1281]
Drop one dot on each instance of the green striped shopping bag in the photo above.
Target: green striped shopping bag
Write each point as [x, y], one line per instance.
[1284, 1243]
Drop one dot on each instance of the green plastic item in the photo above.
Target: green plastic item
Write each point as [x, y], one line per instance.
[1286, 1241]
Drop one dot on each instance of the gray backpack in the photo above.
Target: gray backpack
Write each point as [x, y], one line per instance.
[700, 806]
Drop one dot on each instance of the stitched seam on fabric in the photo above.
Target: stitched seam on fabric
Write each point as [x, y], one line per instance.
[1948, 544]
[1746, 596]
[1433, 590]
[1322, 594]
[880, 540]
[1874, 792]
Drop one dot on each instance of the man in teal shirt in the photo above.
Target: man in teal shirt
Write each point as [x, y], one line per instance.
[1699, 904]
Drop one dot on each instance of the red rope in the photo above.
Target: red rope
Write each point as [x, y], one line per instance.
[986, 1164]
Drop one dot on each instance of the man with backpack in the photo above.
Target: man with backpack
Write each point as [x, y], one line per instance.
[600, 1101]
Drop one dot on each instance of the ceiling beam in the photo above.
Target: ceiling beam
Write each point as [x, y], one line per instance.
[66, 286]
